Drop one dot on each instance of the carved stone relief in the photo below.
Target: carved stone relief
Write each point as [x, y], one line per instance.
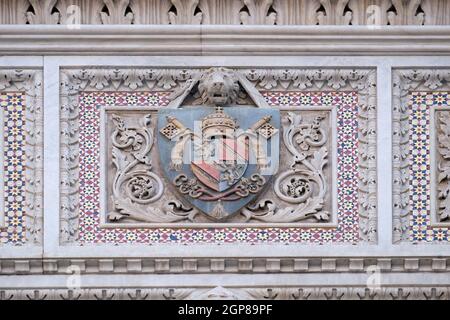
[302, 190]
[416, 98]
[26, 84]
[443, 165]
[236, 12]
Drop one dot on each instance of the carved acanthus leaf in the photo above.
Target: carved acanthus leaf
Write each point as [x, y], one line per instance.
[185, 12]
[74, 81]
[150, 11]
[296, 12]
[443, 183]
[117, 12]
[221, 11]
[135, 186]
[30, 83]
[406, 13]
[258, 12]
[335, 13]
[304, 184]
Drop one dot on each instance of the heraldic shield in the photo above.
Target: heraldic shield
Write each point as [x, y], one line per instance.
[219, 158]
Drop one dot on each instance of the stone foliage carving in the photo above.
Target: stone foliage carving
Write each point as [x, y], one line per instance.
[30, 83]
[362, 81]
[247, 12]
[135, 186]
[443, 164]
[72, 83]
[310, 137]
[304, 185]
[404, 82]
[220, 293]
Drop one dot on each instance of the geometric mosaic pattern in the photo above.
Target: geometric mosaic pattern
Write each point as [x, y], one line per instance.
[420, 104]
[347, 230]
[13, 107]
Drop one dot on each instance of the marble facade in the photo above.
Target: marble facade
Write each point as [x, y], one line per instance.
[358, 208]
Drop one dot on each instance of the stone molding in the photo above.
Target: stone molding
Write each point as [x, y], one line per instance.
[220, 293]
[29, 82]
[101, 79]
[405, 81]
[300, 265]
[229, 12]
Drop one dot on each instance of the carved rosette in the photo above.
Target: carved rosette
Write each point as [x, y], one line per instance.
[219, 12]
[135, 186]
[304, 185]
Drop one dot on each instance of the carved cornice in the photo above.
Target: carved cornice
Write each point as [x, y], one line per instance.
[253, 12]
[30, 83]
[361, 80]
[220, 293]
[404, 82]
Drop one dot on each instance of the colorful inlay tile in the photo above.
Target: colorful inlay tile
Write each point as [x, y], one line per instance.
[13, 108]
[347, 230]
[420, 108]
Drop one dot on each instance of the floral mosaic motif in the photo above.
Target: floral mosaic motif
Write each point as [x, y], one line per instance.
[347, 230]
[420, 107]
[13, 107]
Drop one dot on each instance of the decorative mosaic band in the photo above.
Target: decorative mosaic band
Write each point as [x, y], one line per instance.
[347, 231]
[420, 108]
[13, 194]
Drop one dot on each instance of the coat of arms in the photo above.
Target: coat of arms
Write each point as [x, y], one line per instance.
[219, 155]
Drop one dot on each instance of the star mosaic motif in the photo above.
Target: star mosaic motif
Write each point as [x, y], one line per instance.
[420, 104]
[13, 107]
[347, 230]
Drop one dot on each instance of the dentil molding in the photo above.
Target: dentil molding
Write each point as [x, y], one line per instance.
[224, 265]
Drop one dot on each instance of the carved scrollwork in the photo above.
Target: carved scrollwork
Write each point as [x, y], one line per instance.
[134, 183]
[304, 184]
[231, 12]
[405, 82]
[361, 80]
[254, 184]
[29, 81]
[143, 187]
[246, 186]
[295, 185]
[188, 186]
[443, 183]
